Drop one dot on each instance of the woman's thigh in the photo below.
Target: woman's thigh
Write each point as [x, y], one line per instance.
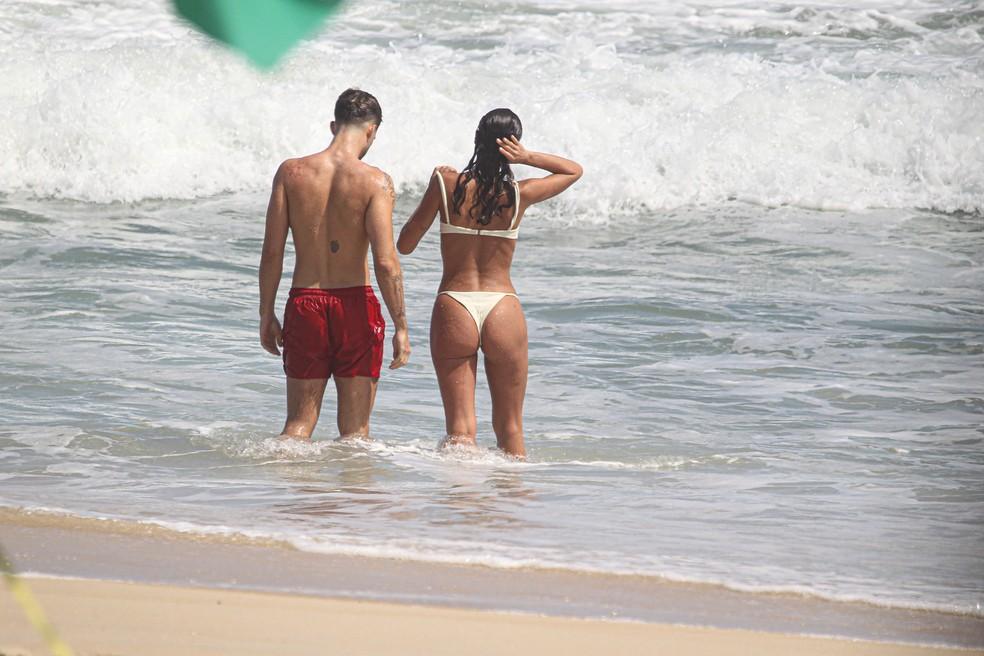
[454, 351]
[506, 348]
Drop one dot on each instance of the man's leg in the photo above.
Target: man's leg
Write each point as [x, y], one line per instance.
[356, 396]
[303, 406]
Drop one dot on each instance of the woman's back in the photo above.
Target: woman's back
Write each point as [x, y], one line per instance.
[476, 257]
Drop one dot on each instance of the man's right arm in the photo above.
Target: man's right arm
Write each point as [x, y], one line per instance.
[386, 263]
[272, 263]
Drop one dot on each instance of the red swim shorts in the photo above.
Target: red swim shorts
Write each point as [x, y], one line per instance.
[333, 332]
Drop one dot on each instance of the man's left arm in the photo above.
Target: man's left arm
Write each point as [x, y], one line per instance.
[272, 264]
[389, 275]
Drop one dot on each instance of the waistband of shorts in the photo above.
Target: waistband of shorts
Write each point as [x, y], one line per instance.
[359, 290]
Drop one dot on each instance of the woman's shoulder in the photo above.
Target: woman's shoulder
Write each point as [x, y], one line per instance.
[446, 171]
[448, 175]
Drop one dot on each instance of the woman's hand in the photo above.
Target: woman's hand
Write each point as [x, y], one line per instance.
[513, 151]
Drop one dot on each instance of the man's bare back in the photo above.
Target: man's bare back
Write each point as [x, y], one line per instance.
[327, 200]
[336, 208]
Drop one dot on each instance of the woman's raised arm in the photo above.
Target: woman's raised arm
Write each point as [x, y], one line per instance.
[563, 172]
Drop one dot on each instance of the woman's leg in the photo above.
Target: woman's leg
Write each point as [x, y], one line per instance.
[505, 345]
[454, 350]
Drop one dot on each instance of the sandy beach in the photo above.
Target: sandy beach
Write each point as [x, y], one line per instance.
[121, 588]
[102, 617]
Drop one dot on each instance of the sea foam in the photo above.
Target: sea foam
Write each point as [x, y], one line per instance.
[160, 113]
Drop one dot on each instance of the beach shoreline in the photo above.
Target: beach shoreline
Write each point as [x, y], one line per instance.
[63, 555]
[105, 617]
[117, 618]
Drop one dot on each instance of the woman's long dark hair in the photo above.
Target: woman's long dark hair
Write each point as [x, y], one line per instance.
[489, 168]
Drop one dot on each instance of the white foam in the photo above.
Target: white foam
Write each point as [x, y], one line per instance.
[234, 441]
[157, 113]
[52, 438]
[662, 463]
[237, 441]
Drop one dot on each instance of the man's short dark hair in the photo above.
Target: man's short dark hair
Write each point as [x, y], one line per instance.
[357, 106]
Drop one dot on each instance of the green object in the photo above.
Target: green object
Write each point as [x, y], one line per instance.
[263, 30]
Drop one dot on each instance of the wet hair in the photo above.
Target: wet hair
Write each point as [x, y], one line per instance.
[489, 168]
[356, 106]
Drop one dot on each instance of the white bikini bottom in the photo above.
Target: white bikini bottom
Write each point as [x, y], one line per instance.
[479, 305]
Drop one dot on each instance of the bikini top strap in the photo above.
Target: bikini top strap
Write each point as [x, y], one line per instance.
[512, 225]
[444, 196]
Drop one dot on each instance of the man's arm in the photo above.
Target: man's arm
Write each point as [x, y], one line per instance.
[272, 263]
[386, 263]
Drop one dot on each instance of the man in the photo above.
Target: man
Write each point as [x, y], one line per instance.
[336, 207]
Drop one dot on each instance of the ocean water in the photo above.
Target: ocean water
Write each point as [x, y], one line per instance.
[756, 325]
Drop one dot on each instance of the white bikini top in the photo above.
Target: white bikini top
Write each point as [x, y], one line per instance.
[449, 228]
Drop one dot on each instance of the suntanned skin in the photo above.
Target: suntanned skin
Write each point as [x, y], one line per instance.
[473, 263]
[336, 208]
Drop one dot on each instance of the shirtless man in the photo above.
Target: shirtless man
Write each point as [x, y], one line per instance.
[336, 207]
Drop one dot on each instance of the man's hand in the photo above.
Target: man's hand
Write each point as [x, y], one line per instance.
[401, 349]
[271, 335]
[513, 151]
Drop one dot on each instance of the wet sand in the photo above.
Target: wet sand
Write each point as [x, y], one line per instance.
[151, 590]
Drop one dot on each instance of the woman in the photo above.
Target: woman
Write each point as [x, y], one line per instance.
[477, 308]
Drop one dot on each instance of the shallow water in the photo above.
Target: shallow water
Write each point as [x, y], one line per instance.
[727, 383]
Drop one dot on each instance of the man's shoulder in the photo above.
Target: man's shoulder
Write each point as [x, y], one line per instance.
[292, 166]
[378, 180]
[373, 173]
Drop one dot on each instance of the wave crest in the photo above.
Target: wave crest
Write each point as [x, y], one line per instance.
[178, 118]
